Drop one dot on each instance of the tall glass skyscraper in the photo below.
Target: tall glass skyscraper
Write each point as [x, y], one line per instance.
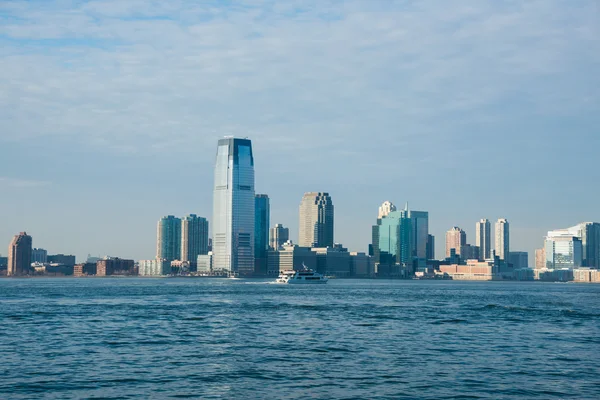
[168, 241]
[262, 212]
[502, 239]
[233, 207]
[392, 241]
[19, 255]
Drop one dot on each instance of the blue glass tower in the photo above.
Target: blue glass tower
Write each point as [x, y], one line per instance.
[233, 207]
[262, 212]
[168, 243]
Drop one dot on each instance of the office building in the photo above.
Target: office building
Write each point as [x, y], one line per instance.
[589, 233]
[333, 261]
[262, 215]
[386, 208]
[469, 252]
[84, 269]
[392, 242]
[194, 237]
[39, 256]
[291, 257]
[563, 250]
[519, 259]
[205, 263]
[278, 236]
[156, 267]
[361, 265]
[316, 220]
[420, 232]
[19, 255]
[502, 239]
[64, 259]
[430, 247]
[115, 266]
[168, 241]
[233, 207]
[540, 258]
[483, 239]
[455, 239]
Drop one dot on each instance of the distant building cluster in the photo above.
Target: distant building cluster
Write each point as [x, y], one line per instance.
[245, 244]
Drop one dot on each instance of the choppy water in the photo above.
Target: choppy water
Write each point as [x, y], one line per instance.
[218, 338]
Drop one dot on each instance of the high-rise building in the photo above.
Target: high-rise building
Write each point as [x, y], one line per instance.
[233, 207]
[278, 235]
[194, 237]
[392, 241]
[563, 250]
[540, 258]
[589, 233]
[316, 220]
[262, 216]
[502, 239]
[39, 256]
[483, 239]
[430, 247]
[420, 232]
[168, 243]
[386, 208]
[469, 252]
[19, 255]
[455, 239]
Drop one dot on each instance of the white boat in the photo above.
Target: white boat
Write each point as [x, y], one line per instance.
[305, 276]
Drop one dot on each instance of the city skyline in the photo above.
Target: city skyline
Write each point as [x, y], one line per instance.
[109, 119]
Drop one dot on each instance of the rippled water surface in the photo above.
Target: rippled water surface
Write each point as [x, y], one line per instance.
[350, 339]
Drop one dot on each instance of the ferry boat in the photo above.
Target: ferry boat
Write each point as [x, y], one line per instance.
[305, 276]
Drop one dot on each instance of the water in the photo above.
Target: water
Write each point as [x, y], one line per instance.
[350, 339]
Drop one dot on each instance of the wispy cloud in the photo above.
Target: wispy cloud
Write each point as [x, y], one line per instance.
[128, 74]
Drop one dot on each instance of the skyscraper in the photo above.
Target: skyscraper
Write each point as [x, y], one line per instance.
[316, 220]
[262, 212]
[392, 241]
[168, 238]
[589, 233]
[386, 208]
[455, 239]
[502, 239]
[420, 232]
[233, 207]
[430, 247]
[483, 239]
[278, 236]
[19, 255]
[194, 237]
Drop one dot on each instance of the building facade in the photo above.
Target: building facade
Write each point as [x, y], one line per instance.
[262, 221]
[430, 247]
[194, 237]
[233, 207]
[456, 238]
[64, 259]
[19, 255]
[291, 257]
[278, 235]
[39, 256]
[156, 267]
[469, 252]
[316, 220]
[502, 239]
[386, 208]
[420, 232]
[519, 259]
[483, 239]
[563, 250]
[115, 266]
[392, 242]
[168, 242]
[540, 258]
[205, 263]
[589, 233]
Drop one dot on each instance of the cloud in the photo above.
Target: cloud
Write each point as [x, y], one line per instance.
[141, 75]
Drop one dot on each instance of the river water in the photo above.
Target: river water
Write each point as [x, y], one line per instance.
[134, 338]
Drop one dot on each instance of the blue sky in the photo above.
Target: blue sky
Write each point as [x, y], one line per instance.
[111, 110]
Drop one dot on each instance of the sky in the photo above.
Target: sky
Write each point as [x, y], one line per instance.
[110, 113]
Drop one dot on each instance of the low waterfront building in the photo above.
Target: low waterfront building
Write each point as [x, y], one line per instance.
[156, 267]
[333, 261]
[65, 259]
[519, 259]
[115, 266]
[474, 270]
[84, 269]
[205, 263]
[586, 275]
[290, 257]
[361, 265]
